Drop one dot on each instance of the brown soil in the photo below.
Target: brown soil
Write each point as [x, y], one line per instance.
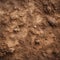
[29, 29]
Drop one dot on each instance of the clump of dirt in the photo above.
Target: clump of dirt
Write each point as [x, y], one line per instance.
[29, 30]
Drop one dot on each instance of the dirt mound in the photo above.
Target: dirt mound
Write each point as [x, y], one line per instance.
[29, 29]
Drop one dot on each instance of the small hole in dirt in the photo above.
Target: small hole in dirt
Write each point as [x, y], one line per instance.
[54, 53]
[45, 39]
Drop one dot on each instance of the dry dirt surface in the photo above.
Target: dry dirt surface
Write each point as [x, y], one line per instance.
[29, 29]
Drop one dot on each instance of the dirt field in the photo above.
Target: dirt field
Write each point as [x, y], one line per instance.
[29, 29]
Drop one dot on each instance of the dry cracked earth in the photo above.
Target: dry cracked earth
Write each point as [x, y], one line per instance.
[29, 29]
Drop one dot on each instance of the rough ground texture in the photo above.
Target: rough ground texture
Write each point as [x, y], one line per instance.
[29, 29]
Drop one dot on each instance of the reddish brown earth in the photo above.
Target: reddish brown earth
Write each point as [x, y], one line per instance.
[29, 29]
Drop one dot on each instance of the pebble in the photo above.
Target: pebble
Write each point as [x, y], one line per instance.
[35, 26]
[37, 42]
[16, 29]
[12, 50]
[52, 21]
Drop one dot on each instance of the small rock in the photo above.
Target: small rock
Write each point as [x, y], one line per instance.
[52, 21]
[17, 29]
[37, 42]
[11, 50]
[35, 26]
